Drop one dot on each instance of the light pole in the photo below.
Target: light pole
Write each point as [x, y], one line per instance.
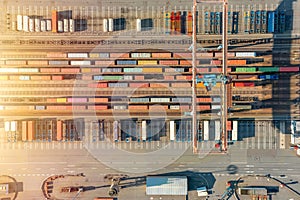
[224, 72]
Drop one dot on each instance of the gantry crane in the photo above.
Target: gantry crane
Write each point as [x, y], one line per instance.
[225, 88]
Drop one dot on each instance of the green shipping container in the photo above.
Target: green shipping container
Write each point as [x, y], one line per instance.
[268, 69]
[135, 70]
[112, 77]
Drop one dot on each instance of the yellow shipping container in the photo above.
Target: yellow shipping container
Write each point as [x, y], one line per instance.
[152, 70]
[3, 78]
[201, 85]
[61, 100]
[86, 70]
[94, 55]
[147, 62]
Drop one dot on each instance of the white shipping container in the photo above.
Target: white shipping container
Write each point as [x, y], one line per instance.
[245, 54]
[234, 131]
[160, 100]
[216, 107]
[144, 130]
[48, 25]
[66, 25]
[25, 23]
[80, 62]
[28, 70]
[172, 130]
[77, 55]
[205, 130]
[19, 22]
[9, 70]
[43, 26]
[140, 55]
[6, 126]
[24, 78]
[105, 25]
[174, 107]
[138, 25]
[31, 24]
[13, 126]
[217, 130]
[72, 25]
[128, 78]
[37, 23]
[110, 24]
[40, 107]
[60, 26]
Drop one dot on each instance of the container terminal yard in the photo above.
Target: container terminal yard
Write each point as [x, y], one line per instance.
[84, 74]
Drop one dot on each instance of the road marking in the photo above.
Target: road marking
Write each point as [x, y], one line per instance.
[246, 168]
[290, 169]
[250, 172]
[275, 169]
[249, 165]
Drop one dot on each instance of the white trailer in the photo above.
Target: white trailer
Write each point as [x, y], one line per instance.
[31, 24]
[234, 131]
[19, 22]
[66, 25]
[48, 25]
[138, 25]
[25, 23]
[205, 130]
[37, 23]
[110, 24]
[60, 27]
[43, 26]
[72, 25]
[172, 130]
[105, 25]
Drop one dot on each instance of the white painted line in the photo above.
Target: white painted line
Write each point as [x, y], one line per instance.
[37, 174]
[24, 174]
[250, 172]
[107, 168]
[290, 169]
[249, 165]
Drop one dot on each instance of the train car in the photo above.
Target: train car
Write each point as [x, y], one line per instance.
[264, 21]
[105, 25]
[72, 25]
[19, 22]
[246, 21]
[31, 25]
[189, 23]
[167, 22]
[25, 23]
[271, 21]
[252, 21]
[258, 21]
[172, 18]
[235, 22]
[66, 25]
[49, 25]
[37, 24]
[178, 22]
[54, 21]
[110, 24]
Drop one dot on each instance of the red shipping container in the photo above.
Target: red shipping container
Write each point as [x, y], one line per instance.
[249, 84]
[119, 55]
[202, 70]
[169, 77]
[161, 55]
[92, 85]
[182, 55]
[98, 107]
[95, 70]
[104, 62]
[102, 85]
[288, 69]
[215, 62]
[229, 125]
[138, 85]
[49, 70]
[203, 107]
[238, 84]
[204, 99]
[139, 78]
[54, 21]
[70, 70]
[59, 130]
[168, 62]
[57, 78]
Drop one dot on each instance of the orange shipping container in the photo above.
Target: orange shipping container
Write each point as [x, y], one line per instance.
[104, 62]
[182, 55]
[37, 62]
[168, 62]
[54, 21]
[169, 77]
[40, 78]
[215, 62]
[138, 107]
[98, 107]
[139, 85]
[86, 77]
[204, 99]
[161, 55]
[59, 130]
[56, 55]
[2, 62]
[158, 107]
[185, 62]
[70, 70]
[152, 70]
[159, 85]
[49, 70]
[229, 54]
[200, 55]
[236, 62]
[203, 107]
[119, 55]
[31, 130]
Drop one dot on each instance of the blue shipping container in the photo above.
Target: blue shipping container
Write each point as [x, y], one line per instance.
[271, 21]
[126, 62]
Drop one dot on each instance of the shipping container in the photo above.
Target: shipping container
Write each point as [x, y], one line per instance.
[181, 85]
[159, 100]
[229, 125]
[60, 26]
[9, 70]
[220, 55]
[147, 62]
[215, 62]
[268, 69]
[200, 55]
[172, 24]
[126, 62]
[137, 107]
[168, 62]
[139, 78]
[167, 23]
[181, 100]
[30, 131]
[204, 100]
[77, 55]
[182, 55]
[72, 25]
[177, 22]
[24, 131]
[236, 62]
[133, 70]
[138, 25]
[76, 100]
[58, 62]
[110, 25]
[245, 69]
[189, 23]
[70, 70]
[59, 130]
[185, 62]
[119, 55]
[80, 62]
[169, 78]
[159, 85]
[172, 130]
[105, 25]
[24, 78]
[138, 85]
[37, 62]
[205, 130]
[25, 23]
[152, 70]
[54, 19]
[98, 107]
[39, 107]
[116, 78]
[288, 69]
[248, 77]
[37, 24]
[98, 100]
[43, 25]
[217, 130]
[40, 78]
[174, 107]
[117, 85]
[57, 78]
[19, 22]
[216, 107]
[104, 62]
[245, 54]
[49, 25]
[56, 55]
[3, 78]
[244, 84]
[30, 70]
[119, 107]
[15, 62]
[139, 100]
[271, 21]
[31, 25]
[161, 55]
